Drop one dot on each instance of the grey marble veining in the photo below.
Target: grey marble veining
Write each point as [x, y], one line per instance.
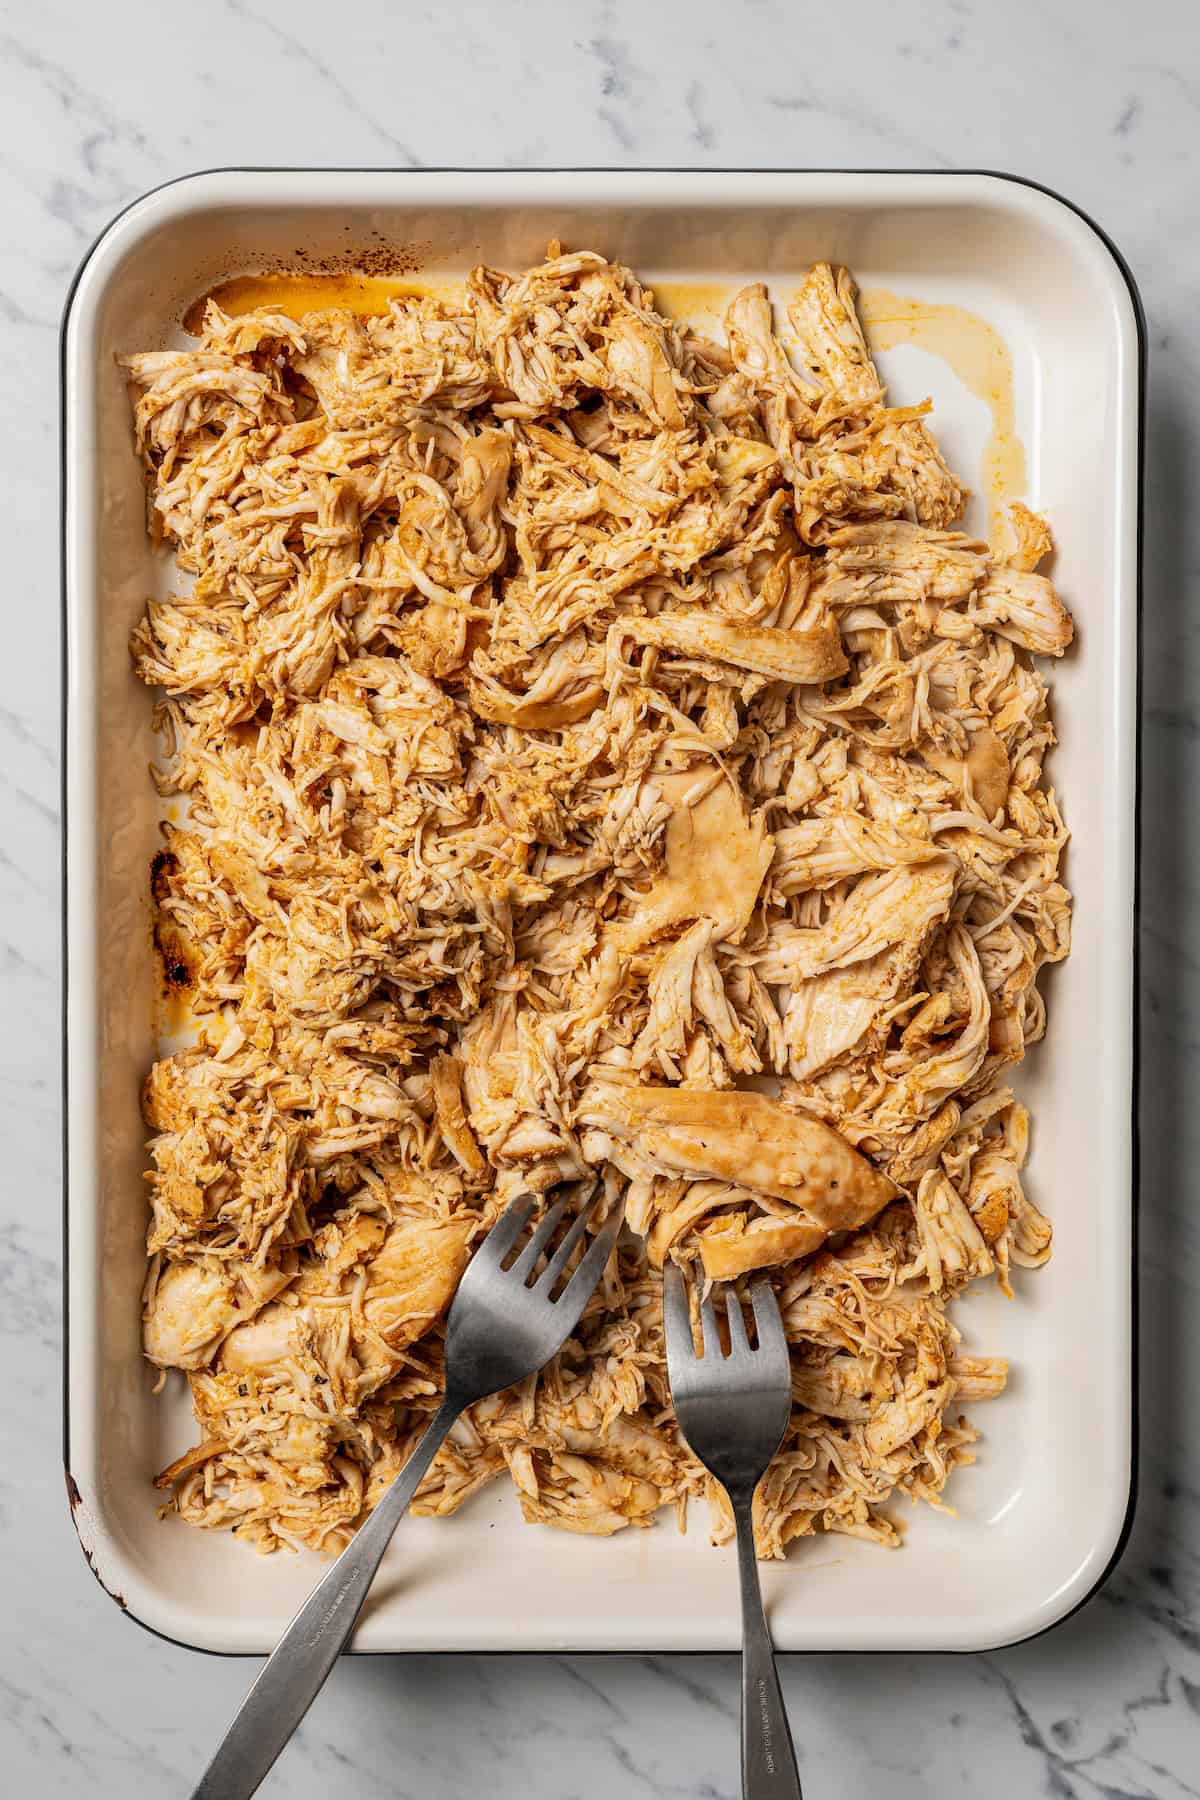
[1100, 100]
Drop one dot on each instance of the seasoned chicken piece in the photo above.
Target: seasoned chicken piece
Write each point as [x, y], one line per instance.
[460, 1469]
[982, 776]
[823, 318]
[923, 1146]
[279, 1332]
[685, 986]
[576, 321]
[889, 907]
[829, 1014]
[562, 693]
[745, 1138]
[369, 373]
[266, 328]
[192, 1307]
[847, 975]
[918, 1084]
[760, 359]
[951, 1242]
[801, 656]
[757, 352]
[842, 1386]
[579, 1494]
[834, 487]
[445, 1078]
[1004, 1212]
[735, 458]
[486, 459]
[824, 850]
[715, 862]
[638, 366]
[566, 1415]
[185, 392]
[978, 1377]
[664, 1036]
[713, 1005]
[1026, 609]
[1032, 539]
[902, 454]
[411, 1270]
[434, 638]
[412, 1277]
[898, 561]
[911, 1412]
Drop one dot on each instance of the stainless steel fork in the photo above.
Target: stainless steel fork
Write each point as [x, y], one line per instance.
[503, 1325]
[733, 1408]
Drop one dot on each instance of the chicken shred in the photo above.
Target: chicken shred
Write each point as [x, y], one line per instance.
[599, 749]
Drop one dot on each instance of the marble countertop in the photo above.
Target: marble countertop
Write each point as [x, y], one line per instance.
[1097, 100]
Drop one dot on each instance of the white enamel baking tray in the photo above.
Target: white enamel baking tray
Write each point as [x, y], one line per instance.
[1041, 1516]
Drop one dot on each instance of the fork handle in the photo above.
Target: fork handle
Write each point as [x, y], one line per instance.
[295, 1672]
[768, 1758]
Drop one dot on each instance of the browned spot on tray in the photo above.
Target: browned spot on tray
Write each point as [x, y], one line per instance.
[163, 865]
[176, 974]
[173, 951]
[365, 280]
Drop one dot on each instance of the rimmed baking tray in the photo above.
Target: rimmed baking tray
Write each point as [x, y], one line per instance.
[1048, 375]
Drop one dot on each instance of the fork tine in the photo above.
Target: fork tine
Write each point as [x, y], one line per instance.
[739, 1343]
[559, 1260]
[771, 1335]
[547, 1226]
[710, 1336]
[505, 1232]
[578, 1290]
[677, 1320]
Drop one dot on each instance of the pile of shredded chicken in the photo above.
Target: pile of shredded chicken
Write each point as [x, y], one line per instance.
[600, 752]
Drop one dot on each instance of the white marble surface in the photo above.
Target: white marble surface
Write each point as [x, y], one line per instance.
[1098, 98]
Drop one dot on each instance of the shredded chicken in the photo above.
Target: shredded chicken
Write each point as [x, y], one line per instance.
[598, 749]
